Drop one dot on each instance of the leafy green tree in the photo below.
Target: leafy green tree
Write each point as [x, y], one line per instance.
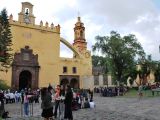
[100, 61]
[3, 85]
[5, 41]
[157, 72]
[121, 51]
[147, 66]
[132, 74]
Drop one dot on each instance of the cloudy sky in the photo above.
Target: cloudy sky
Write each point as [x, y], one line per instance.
[139, 17]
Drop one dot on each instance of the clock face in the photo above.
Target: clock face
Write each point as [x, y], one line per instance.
[27, 20]
[87, 54]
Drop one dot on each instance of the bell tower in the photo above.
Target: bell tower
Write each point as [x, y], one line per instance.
[26, 14]
[79, 36]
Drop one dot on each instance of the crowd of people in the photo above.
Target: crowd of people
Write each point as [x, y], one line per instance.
[65, 100]
[24, 96]
[111, 91]
[11, 96]
[55, 102]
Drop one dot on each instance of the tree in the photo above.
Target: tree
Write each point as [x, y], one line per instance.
[132, 74]
[5, 41]
[157, 72]
[99, 61]
[121, 51]
[147, 66]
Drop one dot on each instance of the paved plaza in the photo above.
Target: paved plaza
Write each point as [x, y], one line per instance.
[116, 108]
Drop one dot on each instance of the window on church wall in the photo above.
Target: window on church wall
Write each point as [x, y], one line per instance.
[105, 80]
[26, 11]
[81, 33]
[64, 69]
[96, 80]
[74, 70]
[78, 34]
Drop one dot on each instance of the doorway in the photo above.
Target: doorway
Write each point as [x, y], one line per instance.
[25, 69]
[72, 80]
[25, 79]
[74, 83]
[64, 82]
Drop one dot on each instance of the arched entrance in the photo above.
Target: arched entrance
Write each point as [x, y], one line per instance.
[64, 82]
[25, 79]
[25, 69]
[74, 83]
[72, 80]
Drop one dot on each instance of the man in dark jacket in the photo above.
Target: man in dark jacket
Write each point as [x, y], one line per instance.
[1, 103]
[68, 103]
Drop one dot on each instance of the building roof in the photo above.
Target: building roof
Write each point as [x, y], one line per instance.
[98, 70]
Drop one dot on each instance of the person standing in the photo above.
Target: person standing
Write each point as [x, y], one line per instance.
[22, 96]
[140, 92]
[57, 100]
[91, 95]
[68, 103]
[61, 105]
[2, 110]
[26, 104]
[46, 105]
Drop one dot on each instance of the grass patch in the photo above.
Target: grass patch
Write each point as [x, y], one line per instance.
[146, 93]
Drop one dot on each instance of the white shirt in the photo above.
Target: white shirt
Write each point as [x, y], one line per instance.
[92, 104]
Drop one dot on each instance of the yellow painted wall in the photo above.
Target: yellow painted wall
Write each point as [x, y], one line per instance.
[45, 42]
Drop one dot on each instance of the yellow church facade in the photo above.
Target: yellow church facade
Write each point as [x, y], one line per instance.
[36, 48]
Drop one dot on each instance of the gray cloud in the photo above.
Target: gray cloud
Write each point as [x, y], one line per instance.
[127, 16]
[141, 17]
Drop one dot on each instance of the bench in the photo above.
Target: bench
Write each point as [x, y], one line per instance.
[155, 90]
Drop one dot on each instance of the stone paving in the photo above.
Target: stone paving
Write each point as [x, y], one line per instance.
[116, 108]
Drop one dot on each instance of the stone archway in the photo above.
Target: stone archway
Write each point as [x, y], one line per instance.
[72, 80]
[64, 82]
[74, 83]
[65, 42]
[25, 78]
[25, 63]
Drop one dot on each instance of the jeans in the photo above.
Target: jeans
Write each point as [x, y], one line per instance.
[26, 108]
[56, 107]
[61, 109]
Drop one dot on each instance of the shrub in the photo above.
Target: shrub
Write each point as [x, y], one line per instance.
[3, 85]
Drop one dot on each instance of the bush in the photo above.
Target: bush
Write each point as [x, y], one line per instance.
[134, 88]
[3, 85]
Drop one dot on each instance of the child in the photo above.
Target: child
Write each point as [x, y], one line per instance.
[140, 93]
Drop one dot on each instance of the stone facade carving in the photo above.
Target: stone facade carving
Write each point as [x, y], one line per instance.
[25, 61]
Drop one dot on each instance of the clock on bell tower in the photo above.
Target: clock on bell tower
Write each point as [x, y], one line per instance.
[26, 14]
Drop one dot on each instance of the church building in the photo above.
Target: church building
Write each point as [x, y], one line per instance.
[36, 48]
